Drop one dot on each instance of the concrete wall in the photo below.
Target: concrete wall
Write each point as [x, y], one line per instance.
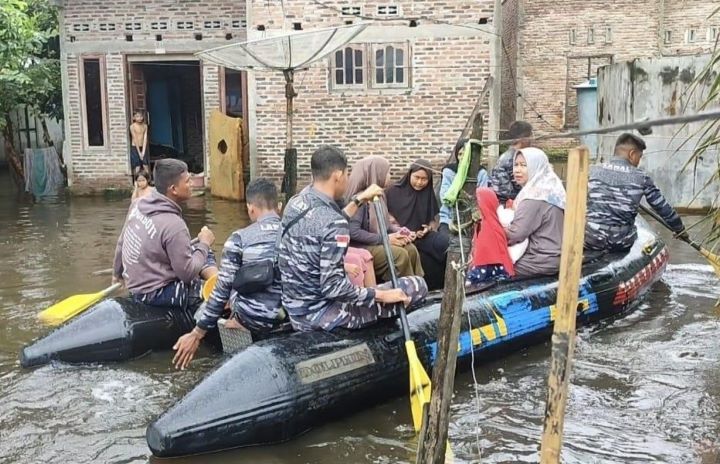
[654, 88]
[549, 62]
[422, 121]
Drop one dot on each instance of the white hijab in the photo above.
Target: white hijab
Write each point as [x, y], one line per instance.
[543, 184]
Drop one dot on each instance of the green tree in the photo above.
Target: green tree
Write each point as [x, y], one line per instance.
[710, 132]
[29, 64]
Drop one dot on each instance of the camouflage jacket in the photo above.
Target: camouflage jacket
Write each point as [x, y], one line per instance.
[311, 259]
[501, 177]
[260, 310]
[614, 193]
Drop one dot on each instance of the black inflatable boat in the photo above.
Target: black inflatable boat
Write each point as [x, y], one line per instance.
[278, 388]
[116, 329]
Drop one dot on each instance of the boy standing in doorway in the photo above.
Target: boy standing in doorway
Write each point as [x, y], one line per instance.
[139, 135]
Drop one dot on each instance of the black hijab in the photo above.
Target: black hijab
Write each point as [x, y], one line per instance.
[453, 166]
[412, 208]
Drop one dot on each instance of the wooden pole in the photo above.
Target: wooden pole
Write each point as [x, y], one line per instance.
[434, 432]
[563, 338]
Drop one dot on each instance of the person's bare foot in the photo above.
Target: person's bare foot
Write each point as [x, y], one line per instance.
[233, 323]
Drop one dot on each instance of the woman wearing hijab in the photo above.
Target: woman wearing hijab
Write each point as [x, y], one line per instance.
[413, 204]
[449, 171]
[490, 256]
[539, 214]
[364, 231]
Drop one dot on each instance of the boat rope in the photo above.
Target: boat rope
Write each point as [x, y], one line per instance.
[460, 280]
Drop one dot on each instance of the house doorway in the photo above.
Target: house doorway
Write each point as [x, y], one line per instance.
[169, 93]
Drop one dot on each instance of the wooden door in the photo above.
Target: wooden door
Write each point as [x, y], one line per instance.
[138, 89]
[226, 160]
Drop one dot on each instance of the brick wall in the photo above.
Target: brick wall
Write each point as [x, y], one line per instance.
[99, 29]
[549, 64]
[423, 121]
[511, 18]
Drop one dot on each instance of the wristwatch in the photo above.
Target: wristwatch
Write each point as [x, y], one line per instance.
[355, 199]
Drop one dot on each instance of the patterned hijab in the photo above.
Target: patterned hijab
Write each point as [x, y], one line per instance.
[369, 170]
[543, 184]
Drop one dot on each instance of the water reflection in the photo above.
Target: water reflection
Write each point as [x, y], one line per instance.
[645, 387]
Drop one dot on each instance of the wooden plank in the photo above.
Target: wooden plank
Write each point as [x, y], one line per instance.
[434, 432]
[563, 339]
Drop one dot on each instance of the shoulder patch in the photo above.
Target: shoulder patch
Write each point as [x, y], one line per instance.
[342, 240]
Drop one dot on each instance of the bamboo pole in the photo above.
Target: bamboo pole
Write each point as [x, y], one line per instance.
[432, 444]
[563, 338]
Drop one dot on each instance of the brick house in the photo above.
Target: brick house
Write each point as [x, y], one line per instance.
[551, 46]
[404, 98]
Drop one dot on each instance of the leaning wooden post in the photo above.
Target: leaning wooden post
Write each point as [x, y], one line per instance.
[563, 339]
[434, 433]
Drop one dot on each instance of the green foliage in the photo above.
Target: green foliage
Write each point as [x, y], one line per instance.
[29, 64]
[710, 133]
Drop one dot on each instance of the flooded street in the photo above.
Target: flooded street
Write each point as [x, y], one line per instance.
[645, 388]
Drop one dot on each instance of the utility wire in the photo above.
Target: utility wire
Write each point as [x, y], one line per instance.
[669, 121]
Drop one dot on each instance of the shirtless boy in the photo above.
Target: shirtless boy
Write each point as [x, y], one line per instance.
[139, 134]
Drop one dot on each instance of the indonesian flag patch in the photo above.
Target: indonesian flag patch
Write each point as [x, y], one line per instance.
[342, 240]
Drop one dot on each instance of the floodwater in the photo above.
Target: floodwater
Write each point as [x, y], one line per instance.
[645, 388]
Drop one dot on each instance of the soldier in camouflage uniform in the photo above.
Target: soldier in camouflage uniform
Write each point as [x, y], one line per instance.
[317, 294]
[260, 311]
[501, 176]
[614, 193]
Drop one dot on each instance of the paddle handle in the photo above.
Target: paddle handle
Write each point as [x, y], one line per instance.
[382, 230]
[111, 289]
[662, 222]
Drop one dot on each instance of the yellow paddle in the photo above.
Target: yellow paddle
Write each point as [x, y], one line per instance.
[419, 379]
[72, 306]
[208, 287]
[712, 258]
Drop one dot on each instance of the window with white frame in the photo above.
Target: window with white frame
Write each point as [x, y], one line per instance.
[573, 37]
[388, 10]
[390, 62]
[712, 34]
[351, 10]
[608, 35]
[371, 66]
[667, 37]
[691, 35]
[349, 67]
[591, 35]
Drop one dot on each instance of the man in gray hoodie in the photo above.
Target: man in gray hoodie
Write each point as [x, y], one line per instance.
[154, 255]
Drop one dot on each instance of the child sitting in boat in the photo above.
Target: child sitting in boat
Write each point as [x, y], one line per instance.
[258, 310]
[490, 255]
[539, 213]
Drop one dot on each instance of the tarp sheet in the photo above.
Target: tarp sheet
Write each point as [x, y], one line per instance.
[43, 176]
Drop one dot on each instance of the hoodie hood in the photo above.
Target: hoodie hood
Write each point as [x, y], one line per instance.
[157, 203]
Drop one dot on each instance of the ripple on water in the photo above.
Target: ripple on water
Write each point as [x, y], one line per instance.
[80, 414]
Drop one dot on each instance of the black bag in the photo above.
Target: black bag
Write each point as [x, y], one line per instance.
[256, 276]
